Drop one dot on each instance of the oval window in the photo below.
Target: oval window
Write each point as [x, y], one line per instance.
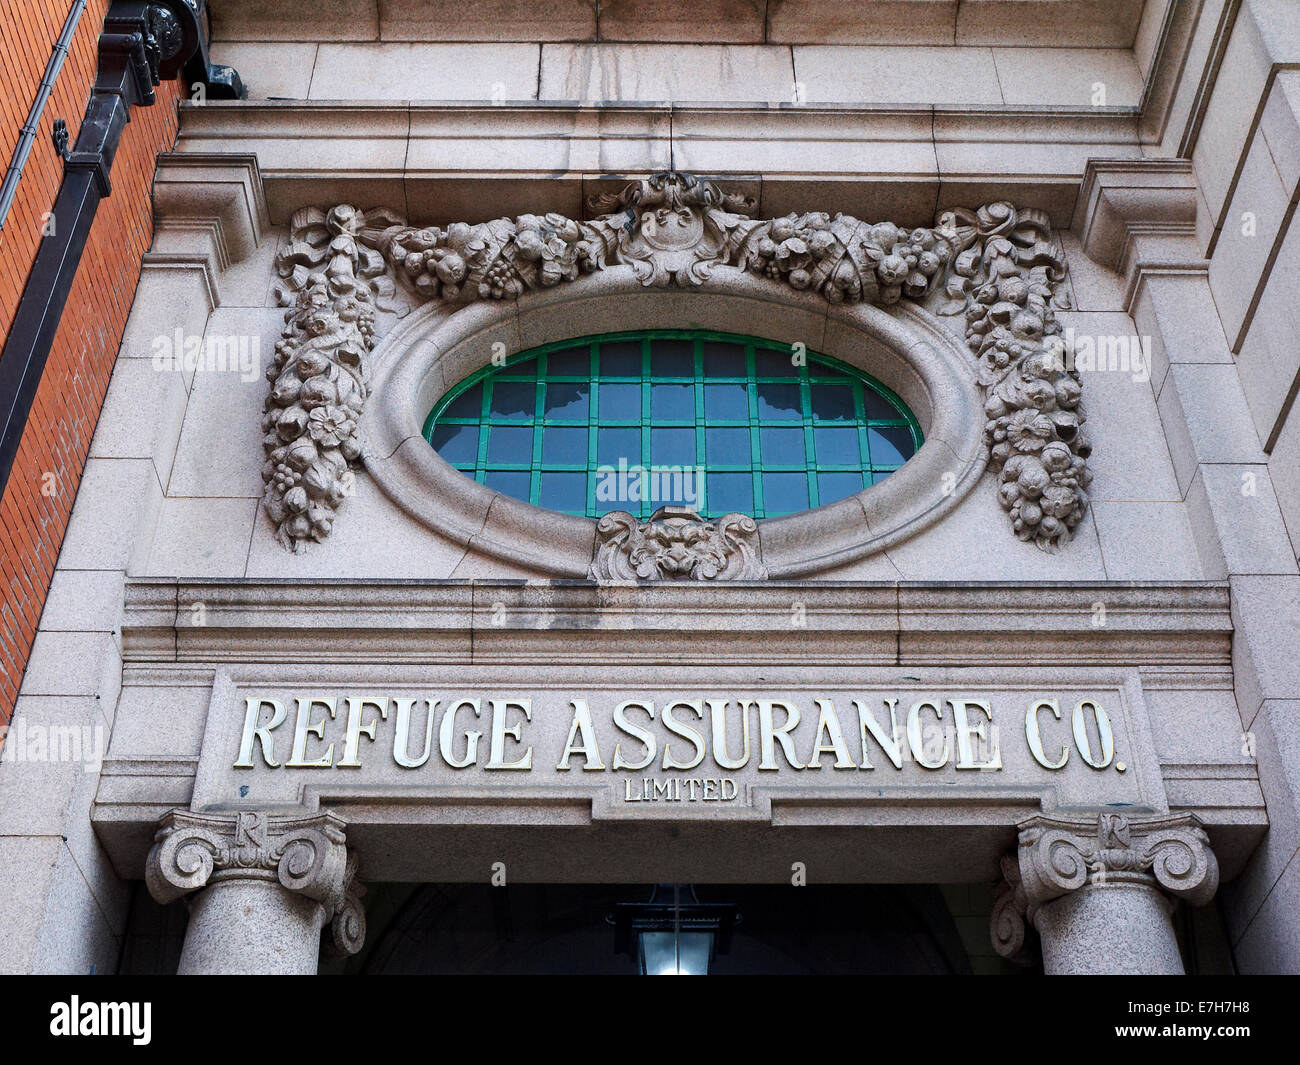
[634, 421]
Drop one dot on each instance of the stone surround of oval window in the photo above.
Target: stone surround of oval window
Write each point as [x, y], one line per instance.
[904, 348]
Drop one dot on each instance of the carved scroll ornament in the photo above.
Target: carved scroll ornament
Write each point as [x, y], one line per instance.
[307, 855]
[1057, 856]
[997, 267]
[675, 543]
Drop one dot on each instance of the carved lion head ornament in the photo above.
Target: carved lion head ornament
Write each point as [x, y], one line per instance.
[996, 266]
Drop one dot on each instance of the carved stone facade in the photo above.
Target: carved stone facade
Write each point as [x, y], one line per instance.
[304, 855]
[675, 543]
[997, 267]
[1057, 856]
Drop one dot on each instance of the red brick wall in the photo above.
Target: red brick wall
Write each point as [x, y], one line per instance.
[38, 498]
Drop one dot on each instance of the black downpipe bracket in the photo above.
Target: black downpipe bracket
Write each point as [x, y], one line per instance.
[142, 43]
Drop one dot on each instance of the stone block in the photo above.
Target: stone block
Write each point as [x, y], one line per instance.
[1068, 77]
[278, 70]
[895, 75]
[1146, 541]
[627, 73]
[406, 71]
[1254, 218]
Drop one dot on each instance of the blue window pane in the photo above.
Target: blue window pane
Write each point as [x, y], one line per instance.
[469, 404]
[727, 492]
[722, 359]
[726, 403]
[768, 363]
[621, 358]
[458, 444]
[877, 407]
[672, 447]
[620, 403]
[566, 400]
[525, 368]
[825, 371]
[672, 403]
[572, 362]
[677, 486]
[784, 493]
[615, 444]
[836, 446]
[832, 403]
[672, 358]
[564, 491]
[778, 401]
[513, 399]
[562, 446]
[833, 486]
[509, 444]
[509, 482]
[889, 447]
[781, 447]
[726, 446]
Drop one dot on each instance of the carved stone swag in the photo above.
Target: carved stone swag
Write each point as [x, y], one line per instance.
[997, 267]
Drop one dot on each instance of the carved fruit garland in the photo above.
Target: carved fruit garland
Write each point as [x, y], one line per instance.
[320, 373]
[997, 266]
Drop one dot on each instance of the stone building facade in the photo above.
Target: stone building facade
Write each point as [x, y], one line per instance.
[379, 666]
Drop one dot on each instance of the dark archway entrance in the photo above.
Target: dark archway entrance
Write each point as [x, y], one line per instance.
[538, 929]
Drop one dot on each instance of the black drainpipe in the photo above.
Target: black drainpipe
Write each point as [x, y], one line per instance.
[141, 44]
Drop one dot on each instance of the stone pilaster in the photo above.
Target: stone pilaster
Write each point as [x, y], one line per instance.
[261, 888]
[1100, 892]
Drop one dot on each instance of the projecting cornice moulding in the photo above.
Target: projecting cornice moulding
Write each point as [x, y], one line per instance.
[209, 212]
[997, 268]
[439, 162]
[1135, 212]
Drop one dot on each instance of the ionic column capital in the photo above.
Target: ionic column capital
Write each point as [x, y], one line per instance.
[307, 855]
[1057, 856]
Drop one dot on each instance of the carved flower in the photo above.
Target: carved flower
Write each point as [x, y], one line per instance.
[330, 426]
[1028, 430]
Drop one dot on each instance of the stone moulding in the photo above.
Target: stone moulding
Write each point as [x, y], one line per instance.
[995, 267]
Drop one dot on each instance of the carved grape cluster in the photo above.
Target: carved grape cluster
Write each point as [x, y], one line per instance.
[492, 260]
[849, 261]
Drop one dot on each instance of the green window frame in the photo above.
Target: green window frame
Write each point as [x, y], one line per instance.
[505, 425]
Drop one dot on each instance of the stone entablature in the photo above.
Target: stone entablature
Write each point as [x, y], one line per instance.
[996, 266]
[554, 642]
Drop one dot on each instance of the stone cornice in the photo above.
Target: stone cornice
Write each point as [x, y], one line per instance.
[437, 161]
[483, 621]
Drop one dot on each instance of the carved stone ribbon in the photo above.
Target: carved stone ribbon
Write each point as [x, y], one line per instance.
[1056, 856]
[307, 855]
[996, 266]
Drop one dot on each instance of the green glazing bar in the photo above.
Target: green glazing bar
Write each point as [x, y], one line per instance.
[818, 370]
